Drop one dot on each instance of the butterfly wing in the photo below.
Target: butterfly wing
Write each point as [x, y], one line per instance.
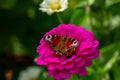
[52, 40]
[71, 45]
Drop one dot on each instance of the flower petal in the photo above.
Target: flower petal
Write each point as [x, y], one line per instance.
[69, 65]
[65, 74]
[82, 71]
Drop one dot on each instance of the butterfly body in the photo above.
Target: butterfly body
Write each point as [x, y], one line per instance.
[62, 45]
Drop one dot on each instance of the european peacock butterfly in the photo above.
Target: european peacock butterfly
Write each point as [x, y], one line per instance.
[62, 45]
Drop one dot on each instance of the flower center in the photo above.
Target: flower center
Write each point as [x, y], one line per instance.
[55, 5]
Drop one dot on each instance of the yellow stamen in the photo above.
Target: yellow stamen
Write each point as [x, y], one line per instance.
[55, 5]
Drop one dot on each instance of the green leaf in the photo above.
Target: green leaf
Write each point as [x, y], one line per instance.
[107, 53]
[86, 20]
[81, 4]
[7, 4]
[111, 2]
[114, 9]
[77, 16]
[90, 2]
[116, 71]
[116, 33]
[110, 63]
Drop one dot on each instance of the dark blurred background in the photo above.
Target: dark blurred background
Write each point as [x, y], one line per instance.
[22, 25]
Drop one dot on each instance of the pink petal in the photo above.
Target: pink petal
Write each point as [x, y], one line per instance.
[68, 60]
[69, 65]
[59, 67]
[55, 74]
[53, 59]
[74, 70]
[53, 66]
[82, 71]
[88, 62]
[96, 43]
[40, 61]
[81, 63]
[65, 74]
[83, 46]
[50, 67]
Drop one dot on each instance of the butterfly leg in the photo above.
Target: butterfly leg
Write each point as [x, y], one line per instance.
[70, 52]
[59, 53]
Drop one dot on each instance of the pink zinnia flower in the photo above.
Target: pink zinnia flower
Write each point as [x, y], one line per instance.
[61, 67]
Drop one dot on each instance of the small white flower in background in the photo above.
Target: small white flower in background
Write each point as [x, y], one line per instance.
[51, 6]
[31, 73]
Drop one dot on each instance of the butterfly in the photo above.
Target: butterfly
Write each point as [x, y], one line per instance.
[62, 45]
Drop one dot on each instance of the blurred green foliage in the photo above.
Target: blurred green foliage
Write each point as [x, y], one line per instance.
[22, 25]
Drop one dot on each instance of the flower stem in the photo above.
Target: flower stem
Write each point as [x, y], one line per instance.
[59, 18]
